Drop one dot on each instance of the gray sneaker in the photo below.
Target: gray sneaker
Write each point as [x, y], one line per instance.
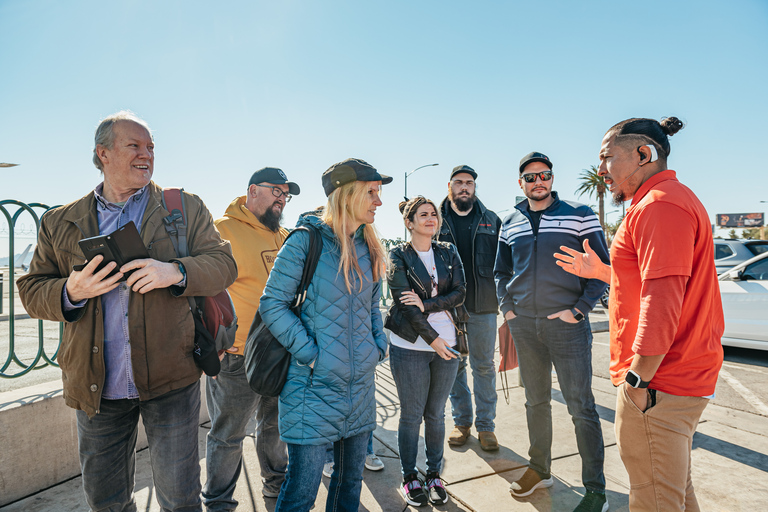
[328, 469]
[373, 463]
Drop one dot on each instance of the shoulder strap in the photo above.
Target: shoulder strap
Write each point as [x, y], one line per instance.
[176, 222]
[176, 226]
[310, 264]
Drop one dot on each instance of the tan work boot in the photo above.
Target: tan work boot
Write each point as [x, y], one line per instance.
[488, 441]
[458, 436]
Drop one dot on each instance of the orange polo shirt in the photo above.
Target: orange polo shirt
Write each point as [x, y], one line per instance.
[666, 232]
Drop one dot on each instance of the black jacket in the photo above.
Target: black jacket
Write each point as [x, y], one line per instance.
[406, 272]
[485, 239]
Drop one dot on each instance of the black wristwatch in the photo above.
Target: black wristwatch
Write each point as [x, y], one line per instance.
[578, 315]
[634, 380]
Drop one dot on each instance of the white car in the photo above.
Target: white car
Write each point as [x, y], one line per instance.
[744, 291]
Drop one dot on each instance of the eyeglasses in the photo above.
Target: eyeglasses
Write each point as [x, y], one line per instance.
[531, 177]
[278, 193]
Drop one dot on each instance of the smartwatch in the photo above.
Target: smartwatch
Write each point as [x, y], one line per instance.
[634, 380]
[182, 270]
[578, 315]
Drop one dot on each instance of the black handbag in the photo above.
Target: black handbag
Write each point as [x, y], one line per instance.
[462, 341]
[266, 359]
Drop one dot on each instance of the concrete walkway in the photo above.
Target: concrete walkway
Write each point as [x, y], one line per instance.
[730, 465]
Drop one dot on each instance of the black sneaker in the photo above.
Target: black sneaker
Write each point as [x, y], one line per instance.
[593, 502]
[435, 489]
[413, 491]
[530, 481]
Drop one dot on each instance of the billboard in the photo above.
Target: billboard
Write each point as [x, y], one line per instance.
[740, 220]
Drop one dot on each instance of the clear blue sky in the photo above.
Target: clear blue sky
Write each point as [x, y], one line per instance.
[230, 87]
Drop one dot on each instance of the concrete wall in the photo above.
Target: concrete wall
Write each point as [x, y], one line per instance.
[38, 440]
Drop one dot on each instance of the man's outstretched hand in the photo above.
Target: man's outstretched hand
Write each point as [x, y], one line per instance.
[585, 264]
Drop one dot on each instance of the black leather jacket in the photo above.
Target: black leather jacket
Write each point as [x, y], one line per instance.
[485, 240]
[406, 272]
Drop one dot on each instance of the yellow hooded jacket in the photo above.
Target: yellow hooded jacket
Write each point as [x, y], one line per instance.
[255, 248]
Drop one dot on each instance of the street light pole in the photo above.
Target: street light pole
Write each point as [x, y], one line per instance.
[405, 191]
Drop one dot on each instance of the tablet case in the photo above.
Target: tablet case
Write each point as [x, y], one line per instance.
[121, 246]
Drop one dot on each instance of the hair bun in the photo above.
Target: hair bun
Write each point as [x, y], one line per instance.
[671, 125]
[402, 206]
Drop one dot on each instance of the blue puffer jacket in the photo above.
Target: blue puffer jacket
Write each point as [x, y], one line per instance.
[341, 332]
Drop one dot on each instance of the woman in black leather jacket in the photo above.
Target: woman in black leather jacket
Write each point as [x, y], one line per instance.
[426, 279]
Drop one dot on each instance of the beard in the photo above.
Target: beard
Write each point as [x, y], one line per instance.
[539, 195]
[271, 219]
[619, 198]
[463, 204]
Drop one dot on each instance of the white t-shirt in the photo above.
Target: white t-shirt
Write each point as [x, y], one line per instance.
[439, 321]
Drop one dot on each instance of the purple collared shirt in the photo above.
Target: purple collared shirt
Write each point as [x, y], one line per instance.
[117, 348]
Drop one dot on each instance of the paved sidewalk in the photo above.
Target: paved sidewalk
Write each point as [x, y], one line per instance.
[730, 465]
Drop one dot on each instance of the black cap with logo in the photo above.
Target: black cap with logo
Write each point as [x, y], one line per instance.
[351, 169]
[535, 156]
[464, 168]
[274, 176]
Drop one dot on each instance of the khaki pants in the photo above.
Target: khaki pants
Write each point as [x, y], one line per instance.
[655, 447]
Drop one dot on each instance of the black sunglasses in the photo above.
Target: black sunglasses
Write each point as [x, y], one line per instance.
[531, 177]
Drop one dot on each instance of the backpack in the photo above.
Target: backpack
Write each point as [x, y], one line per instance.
[266, 359]
[215, 317]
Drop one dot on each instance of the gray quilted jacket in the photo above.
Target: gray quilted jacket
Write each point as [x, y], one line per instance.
[341, 332]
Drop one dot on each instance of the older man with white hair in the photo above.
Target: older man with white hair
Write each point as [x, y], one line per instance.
[127, 345]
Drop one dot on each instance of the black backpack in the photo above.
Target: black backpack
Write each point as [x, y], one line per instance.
[266, 359]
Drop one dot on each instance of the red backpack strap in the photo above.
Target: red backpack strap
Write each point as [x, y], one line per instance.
[176, 222]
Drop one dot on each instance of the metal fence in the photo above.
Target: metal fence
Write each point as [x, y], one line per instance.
[13, 366]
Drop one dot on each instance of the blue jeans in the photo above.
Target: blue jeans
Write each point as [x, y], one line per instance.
[107, 444]
[481, 332]
[231, 405]
[423, 381]
[329, 449]
[540, 343]
[305, 470]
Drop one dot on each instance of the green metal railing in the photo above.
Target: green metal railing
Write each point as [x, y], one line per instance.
[386, 296]
[41, 359]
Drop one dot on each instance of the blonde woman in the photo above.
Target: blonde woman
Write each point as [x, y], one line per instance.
[336, 342]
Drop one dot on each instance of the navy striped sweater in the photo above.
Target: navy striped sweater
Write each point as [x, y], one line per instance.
[528, 281]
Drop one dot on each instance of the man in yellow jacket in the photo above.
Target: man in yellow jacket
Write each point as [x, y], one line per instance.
[252, 225]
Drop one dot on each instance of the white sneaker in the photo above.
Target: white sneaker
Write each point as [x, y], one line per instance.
[328, 469]
[373, 463]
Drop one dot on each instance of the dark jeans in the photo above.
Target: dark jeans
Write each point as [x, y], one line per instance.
[540, 343]
[329, 449]
[423, 380]
[305, 470]
[481, 333]
[231, 405]
[107, 444]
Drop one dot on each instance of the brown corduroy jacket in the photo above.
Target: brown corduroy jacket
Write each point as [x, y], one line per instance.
[161, 328]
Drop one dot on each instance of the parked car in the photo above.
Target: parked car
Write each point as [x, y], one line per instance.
[744, 291]
[604, 297]
[731, 252]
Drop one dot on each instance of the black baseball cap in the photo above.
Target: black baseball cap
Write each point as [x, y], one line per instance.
[351, 169]
[276, 177]
[464, 168]
[535, 156]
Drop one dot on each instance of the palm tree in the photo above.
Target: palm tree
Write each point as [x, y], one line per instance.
[594, 186]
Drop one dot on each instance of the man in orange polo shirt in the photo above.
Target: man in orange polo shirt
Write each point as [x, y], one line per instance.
[666, 318]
